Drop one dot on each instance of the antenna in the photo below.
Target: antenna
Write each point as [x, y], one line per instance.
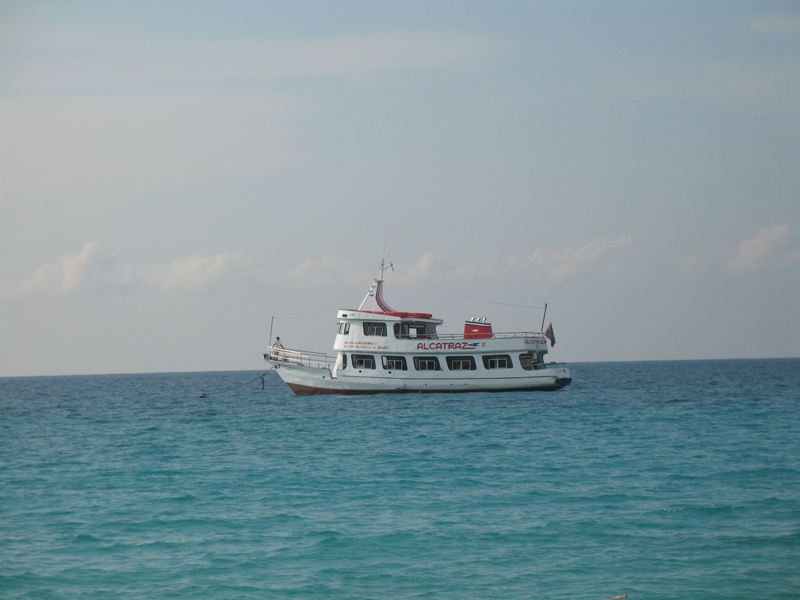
[383, 256]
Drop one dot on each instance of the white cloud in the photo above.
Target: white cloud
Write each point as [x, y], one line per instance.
[425, 267]
[773, 247]
[556, 265]
[89, 270]
[94, 269]
[193, 274]
[705, 259]
[561, 264]
[319, 271]
[767, 247]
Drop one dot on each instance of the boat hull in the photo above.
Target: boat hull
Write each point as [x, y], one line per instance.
[310, 381]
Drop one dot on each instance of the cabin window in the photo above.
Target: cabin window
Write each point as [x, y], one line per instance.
[426, 363]
[375, 329]
[461, 363]
[344, 328]
[363, 361]
[497, 361]
[530, 361]
[343, 364]
[526, 361]
[394, 363]
[414, 330]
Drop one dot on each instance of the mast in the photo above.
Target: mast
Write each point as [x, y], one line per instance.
[384, 268]
[373, 302]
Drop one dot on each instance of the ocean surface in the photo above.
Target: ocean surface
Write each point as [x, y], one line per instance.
[642, 479]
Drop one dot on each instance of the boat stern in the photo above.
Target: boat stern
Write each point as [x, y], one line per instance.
[562, 377]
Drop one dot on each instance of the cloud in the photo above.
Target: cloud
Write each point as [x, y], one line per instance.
[319, 271]
[193, 274]
[425, 267]
[562, 264]
[705, 259]
[768, 246]
[95, 270]
[556, 265]
[89, 270]
[773, 247]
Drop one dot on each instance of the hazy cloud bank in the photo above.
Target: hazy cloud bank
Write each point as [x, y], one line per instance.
[549, 263]
[96, 270]
[774, 247]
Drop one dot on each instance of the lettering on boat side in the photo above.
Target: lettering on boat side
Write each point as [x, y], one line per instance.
[448, 345]
[364, 346]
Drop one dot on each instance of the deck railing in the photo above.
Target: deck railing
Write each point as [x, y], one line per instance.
[496, 334]
[298, 357]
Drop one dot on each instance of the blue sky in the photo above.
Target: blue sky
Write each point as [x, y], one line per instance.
[175, 174]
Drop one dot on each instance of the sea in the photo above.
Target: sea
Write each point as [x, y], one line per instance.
[641, 480]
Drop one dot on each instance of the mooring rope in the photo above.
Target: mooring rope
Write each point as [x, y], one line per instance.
[261, 377]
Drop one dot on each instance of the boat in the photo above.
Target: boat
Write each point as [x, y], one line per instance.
[380, 350]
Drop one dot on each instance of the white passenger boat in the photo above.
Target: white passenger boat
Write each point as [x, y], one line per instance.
[381, 350]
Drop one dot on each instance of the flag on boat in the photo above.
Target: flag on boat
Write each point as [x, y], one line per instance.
[550, 335]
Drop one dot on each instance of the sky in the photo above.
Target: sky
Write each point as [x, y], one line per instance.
[181, 180]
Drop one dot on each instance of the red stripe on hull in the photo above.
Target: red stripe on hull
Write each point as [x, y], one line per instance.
[307, 390]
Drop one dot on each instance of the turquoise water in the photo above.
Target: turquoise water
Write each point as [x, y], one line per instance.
[651, 480]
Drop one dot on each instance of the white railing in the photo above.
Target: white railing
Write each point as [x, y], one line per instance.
[496, 334]
[299, 357]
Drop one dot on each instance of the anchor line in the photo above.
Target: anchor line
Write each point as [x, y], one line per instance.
[261, 377]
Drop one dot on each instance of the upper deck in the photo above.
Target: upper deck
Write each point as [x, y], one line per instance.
[375, 326]
[417, 332]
